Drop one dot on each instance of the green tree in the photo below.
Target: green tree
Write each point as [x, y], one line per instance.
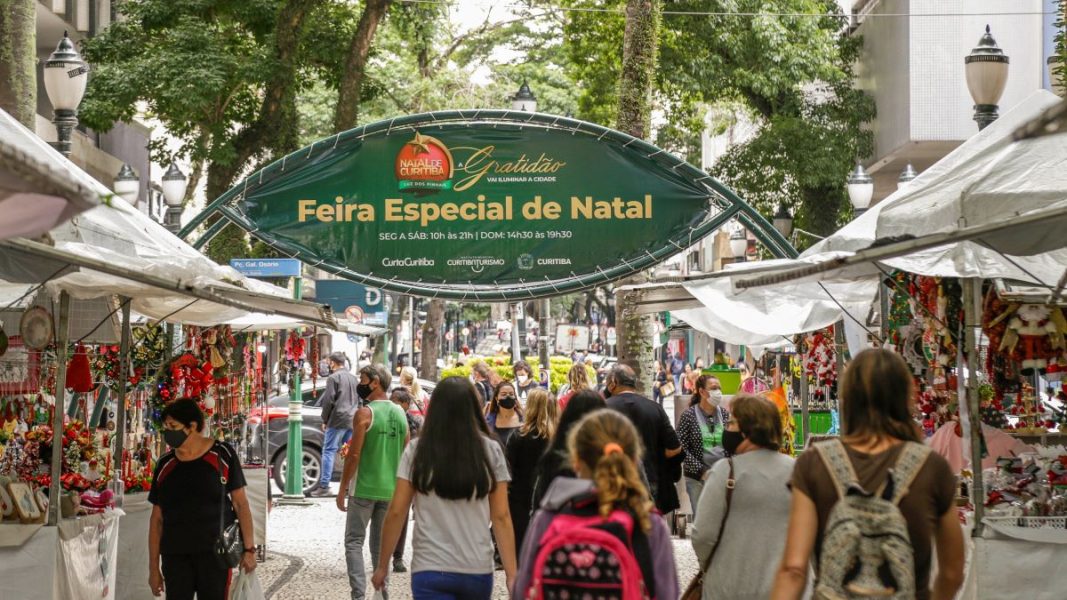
[18, 60]
[791, 75]
[636, 82]
[224, 78]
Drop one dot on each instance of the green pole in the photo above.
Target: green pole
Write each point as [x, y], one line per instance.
[294, 455]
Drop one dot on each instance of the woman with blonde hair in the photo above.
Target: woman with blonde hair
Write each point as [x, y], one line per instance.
[409, 378]
[524, 450]
[577, 380]
[607, 503]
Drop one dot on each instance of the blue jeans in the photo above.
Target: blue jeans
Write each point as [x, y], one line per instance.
[334, 439]
[438, 585]
[693, 488]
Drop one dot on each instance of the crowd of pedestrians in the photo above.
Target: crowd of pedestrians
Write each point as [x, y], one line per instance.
[567, 495]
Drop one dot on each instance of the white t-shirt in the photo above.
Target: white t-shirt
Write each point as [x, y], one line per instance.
[453, 535]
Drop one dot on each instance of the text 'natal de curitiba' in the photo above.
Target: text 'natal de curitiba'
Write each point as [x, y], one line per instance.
[399, 210]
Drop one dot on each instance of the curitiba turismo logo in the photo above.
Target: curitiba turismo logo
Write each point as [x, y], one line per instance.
[526, 262]
[424, 165]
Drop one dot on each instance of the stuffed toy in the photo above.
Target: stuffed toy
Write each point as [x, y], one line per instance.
[1035, 333]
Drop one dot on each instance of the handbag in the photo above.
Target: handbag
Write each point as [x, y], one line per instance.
[229, 546]
[666, 389]
[695, 590]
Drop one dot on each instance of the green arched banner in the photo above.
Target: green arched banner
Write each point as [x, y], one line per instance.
[483, 205]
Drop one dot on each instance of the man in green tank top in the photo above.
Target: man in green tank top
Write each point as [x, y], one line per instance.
[379, 434]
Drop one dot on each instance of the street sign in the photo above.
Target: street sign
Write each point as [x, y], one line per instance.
[354, 314]
[449, 335]
[612, 337]
[340, 294]
[465, 331]
[266, 267]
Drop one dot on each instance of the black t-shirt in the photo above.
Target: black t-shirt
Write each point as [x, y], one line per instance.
[190, 495]
[654, 427]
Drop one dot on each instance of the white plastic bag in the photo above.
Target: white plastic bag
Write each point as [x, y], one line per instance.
[246, 587]
[379, 595]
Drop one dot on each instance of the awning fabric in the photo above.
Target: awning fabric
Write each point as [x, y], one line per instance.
[39, 187]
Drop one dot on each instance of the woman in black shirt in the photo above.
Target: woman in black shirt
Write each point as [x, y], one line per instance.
[188, 495]
[524, 449]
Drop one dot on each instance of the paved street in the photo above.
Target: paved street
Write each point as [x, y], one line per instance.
[305, 557]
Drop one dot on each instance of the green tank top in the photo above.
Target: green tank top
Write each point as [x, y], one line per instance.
[380, 457]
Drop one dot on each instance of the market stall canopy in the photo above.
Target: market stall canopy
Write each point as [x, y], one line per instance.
[39, 187]
[118, 250]
[962, 212]
[262, 322]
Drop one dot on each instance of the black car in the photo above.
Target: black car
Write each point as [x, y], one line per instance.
[313, 437]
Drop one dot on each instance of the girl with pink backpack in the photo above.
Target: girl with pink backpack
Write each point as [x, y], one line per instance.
[598, 535]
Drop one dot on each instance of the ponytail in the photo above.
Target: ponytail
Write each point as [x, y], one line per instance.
[607, 444]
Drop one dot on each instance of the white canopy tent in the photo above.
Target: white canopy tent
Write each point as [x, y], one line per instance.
[39, 187]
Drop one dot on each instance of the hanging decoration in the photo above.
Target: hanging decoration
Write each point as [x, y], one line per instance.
[79, 373]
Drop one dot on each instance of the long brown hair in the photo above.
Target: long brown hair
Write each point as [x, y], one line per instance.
[578, 378]
[615, 474]
[876, 393]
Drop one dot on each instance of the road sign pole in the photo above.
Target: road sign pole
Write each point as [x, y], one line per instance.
[294, 456]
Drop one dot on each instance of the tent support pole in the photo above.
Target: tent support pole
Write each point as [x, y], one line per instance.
[805, 415]
[971, 299]
[839, 354]
[120, 400]
[55, 489]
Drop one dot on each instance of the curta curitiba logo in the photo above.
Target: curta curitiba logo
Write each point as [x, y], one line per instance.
[424, 165]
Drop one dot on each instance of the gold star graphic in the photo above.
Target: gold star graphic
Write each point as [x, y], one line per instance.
[420, 143]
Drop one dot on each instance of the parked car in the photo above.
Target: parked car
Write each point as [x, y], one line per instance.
[277, 434]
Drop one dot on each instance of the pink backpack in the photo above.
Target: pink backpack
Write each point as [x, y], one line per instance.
[583, 555]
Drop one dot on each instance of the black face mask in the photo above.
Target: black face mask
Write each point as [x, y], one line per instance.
[507, 402]
[731, 440]
[607, 391]
[364, 390]
[174, 437]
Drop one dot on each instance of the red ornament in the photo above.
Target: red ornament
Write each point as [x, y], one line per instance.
[79, 376]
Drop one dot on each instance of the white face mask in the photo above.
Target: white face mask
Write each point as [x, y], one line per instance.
[521, 378]
[715, 397]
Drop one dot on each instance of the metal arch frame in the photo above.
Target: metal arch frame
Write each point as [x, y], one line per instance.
[720, 196]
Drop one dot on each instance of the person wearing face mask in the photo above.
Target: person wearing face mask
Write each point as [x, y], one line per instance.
[339, 402]
[379, 435]
[503, 413]
[193, 482]
[745, 525]
[700, 429]
[523, 382]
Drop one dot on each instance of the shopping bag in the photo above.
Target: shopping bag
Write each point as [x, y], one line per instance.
[379, 595]
[246, 587]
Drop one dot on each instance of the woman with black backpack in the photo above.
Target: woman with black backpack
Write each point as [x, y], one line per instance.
[598, 535]
[874, 541]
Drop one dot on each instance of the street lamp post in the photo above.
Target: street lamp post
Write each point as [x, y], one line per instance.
[65, 76]
[987, 74]
[524, 99]
[739, 244]
[127, 185]
[174, 185]
[783, 221]
[906, 176]
[860, 189]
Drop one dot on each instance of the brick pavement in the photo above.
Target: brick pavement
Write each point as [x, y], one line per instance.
[305, 557]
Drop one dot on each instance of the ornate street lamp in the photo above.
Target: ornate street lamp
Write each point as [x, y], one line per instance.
[174, 185]
[783, 221]
[987, 74]
[127, 185]
[860, 189]
[906, 176]
[524, 99]
[739, 244]
[65, 75]
[1055, 76]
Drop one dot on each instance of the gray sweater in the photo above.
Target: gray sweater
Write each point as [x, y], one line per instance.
[754, 540]
[339, 400]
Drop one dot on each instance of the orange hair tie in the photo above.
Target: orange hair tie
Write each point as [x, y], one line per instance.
[612, 448]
